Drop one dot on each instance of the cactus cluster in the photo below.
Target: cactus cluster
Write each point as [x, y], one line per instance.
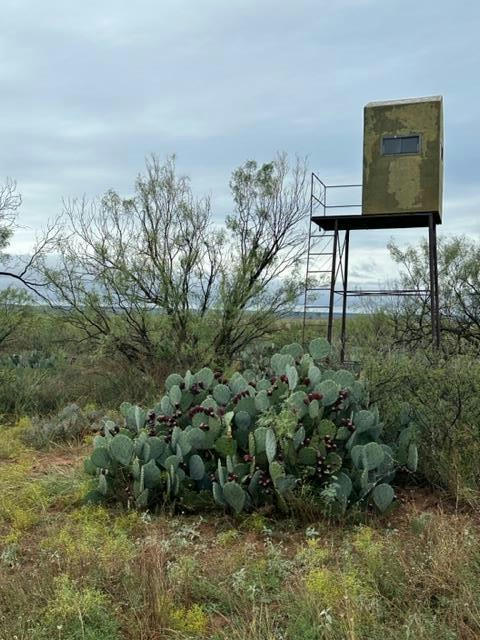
[254, 438]
[31, 360]
[70, 424]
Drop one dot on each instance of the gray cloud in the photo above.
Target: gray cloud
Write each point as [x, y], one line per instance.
[90, 88]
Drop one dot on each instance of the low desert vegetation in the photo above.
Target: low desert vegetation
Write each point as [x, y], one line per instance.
[175, 464]
[255, 440]
[73, 570]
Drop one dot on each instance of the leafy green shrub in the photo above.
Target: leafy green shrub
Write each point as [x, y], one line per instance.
[443, 396]
[253, 440]
[30, 391]
[27, 383]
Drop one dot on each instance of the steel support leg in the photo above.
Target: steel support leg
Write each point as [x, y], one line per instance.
[434, 301]
[435, 274]
[331, 303]
[305, 298]
[344, 302]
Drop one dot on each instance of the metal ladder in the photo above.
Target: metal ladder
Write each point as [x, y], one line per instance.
[320, 267]
[327, 259]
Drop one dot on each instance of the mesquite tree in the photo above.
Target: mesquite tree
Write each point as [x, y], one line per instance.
[268, 242]
[459, 294]
[20, 272]
[150, 275]
[120, 261]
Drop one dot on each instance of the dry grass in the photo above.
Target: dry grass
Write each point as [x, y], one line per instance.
[73, 572]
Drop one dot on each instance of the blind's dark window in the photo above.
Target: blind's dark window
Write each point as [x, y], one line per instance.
[400, 144]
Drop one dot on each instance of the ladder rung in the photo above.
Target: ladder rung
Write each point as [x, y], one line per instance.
[320, 271]
[317, 306]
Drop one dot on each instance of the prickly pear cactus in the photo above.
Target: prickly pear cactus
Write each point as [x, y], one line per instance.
[253, 439]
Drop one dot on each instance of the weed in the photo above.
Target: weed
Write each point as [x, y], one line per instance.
[22, 500]
[77, 613]
[226, 538]
[192, 621]
[92, 539]
[313, 555]
[12, 446]
[256, 522]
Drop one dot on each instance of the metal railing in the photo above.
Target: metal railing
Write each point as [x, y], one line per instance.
[324, 197]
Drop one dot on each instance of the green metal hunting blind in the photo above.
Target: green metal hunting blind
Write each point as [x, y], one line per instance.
[403, 157]
[402, 188]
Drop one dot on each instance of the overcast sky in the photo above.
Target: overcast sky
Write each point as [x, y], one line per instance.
[89, 88]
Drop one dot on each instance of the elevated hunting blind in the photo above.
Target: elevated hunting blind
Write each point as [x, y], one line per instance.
[403, 157]
[402, 189]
